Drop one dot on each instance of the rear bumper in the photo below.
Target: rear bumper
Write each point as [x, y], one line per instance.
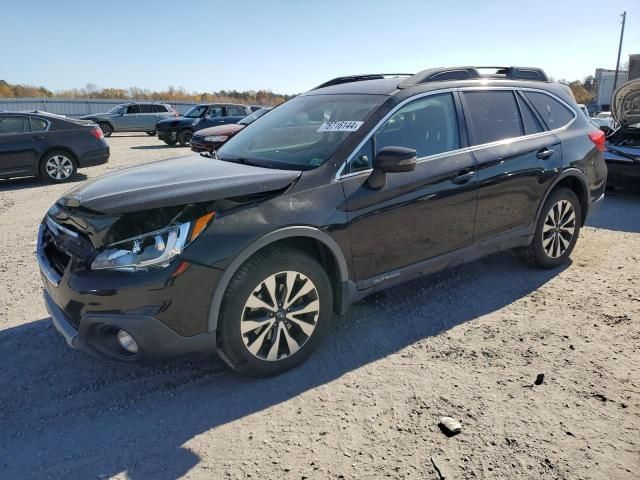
[94, 157]
[623, 172]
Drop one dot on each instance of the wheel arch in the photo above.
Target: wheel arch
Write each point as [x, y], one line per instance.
[329, 254]
[574, 180]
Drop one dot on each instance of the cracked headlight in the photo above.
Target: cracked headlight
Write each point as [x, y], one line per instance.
[154, 249]
[216, 138]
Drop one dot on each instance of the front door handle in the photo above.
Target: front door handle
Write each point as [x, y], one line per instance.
[38, 137]
[463, 177]
[544, 153]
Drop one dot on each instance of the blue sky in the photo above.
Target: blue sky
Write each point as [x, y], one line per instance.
[290, 46]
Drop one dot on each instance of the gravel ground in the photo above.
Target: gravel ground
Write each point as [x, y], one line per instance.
[467, 343]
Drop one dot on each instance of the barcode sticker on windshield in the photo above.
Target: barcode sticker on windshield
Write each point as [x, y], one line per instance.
[344, 126]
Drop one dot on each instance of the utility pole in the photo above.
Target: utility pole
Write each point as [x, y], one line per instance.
[615, 78]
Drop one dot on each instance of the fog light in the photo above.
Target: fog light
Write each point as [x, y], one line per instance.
[127, 342]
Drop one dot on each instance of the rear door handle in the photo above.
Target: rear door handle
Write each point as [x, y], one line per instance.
[463, 177]
[544, 153]
[38, 137]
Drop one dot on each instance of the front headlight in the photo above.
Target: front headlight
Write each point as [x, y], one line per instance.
[216, 138]
[154, 249]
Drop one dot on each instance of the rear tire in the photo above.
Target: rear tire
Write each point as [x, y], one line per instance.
[106, 128]
[58, 166]
[184, 137]
[557, 230]
[259, 332]
[151, 134]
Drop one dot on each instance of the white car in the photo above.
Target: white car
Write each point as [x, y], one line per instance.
[603, 119]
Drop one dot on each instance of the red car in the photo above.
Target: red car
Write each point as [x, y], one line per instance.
[209, 139]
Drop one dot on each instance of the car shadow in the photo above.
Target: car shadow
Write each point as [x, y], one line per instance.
[67, 415]
[12, 184]
[619, 211]
[156, 147]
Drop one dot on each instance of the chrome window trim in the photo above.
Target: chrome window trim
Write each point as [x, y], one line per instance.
[339, 175]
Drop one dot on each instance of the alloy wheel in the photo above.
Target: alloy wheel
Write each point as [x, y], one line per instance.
[558, 229]
[59, 167]
[280, 316]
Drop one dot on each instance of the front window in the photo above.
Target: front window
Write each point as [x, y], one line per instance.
[301, 133]
[196, 112]
[116, 109]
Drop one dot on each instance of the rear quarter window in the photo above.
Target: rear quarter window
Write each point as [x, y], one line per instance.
[38, 125]
[160, 108]
[553, 112]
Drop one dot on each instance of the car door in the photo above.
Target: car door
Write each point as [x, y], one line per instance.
[129, 120]
[517, 159]
[18, 146]
[214, 116]
[147, 118]
[416, 215]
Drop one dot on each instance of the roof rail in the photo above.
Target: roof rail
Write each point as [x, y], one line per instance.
[469, 73]
[360, 78]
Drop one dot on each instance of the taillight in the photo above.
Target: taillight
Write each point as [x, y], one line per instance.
[97, 132]
[598, 138]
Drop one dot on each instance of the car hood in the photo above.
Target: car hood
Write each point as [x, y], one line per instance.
[230, 129]
[178, 121]
[626, 104]
[177, 181]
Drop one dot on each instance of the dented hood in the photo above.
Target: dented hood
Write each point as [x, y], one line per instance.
[626, 104]
[177, 181]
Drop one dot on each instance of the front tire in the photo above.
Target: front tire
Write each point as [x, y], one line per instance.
[58, 166]
[184, 137]
[170, 142]
[275, 312]
[557, 230]
[106, 128]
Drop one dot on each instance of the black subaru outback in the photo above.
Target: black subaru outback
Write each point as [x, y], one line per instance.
[355, 186]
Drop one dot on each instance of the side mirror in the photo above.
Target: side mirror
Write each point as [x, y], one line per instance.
[391, 160]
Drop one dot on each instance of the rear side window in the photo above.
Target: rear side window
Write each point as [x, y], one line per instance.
[14, 125]
[160, 108]
[492, 116]
[215, 112]
[554, 113]
[234, 111]
[428, 125]
[529, 120]
[133, 109]
[38, 125]
[146, 109]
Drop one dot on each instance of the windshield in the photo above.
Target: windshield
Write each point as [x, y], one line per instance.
[196, 112]
[301, 133]
[116, 109]
[254, 116]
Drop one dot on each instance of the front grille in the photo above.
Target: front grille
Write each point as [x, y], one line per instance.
[60, 245]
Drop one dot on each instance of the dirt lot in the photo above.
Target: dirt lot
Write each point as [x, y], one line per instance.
[467, 343]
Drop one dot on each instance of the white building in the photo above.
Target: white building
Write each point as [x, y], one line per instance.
[604, 87]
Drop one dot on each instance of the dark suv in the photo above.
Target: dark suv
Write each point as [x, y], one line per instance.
[180, 130]
[355, 186]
